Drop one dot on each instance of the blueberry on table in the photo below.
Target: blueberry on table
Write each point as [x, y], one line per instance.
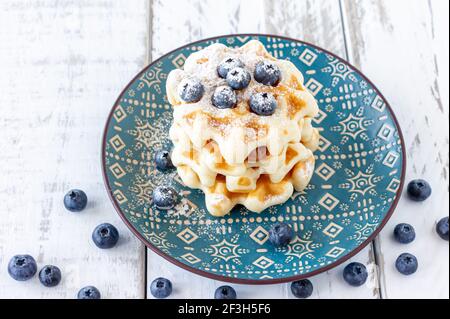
[302, 289]
[75, 200]
[225, 292]
[355, 274]
[161, 288]
[22, 267]
[263, 103]
[89, 292]
[419, 190]
[407, 264]
[404, 233]
[238, 78]
[191, 90]
[442, 228]
[281, 234]
[105, 236]
[224, 98]
[165, 197]
[50, 276]
[226, 65]
[267, 73]
[163, 160]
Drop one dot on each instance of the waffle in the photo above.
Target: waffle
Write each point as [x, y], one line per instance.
[233, 155]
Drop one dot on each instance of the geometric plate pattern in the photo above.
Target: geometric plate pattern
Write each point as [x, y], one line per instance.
[359, 169]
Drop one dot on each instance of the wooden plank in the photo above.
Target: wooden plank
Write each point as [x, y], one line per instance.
[318, 21]
[177, 23]
[329, 285]
[63, 64]
[403, 47]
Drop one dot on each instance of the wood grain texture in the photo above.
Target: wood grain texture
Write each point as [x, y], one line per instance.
[63, 64]
[403, 47]
[176, 23]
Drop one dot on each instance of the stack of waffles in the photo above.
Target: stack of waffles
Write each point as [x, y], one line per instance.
[237, 157]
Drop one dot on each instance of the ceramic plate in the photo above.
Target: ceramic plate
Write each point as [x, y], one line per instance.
[357, 182]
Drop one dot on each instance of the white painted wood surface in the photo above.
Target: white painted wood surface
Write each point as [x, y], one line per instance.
[403, 47]
[63, 64]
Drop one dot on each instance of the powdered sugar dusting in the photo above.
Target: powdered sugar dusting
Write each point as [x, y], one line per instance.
[236, 127]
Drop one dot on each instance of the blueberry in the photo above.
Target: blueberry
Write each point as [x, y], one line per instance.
[22, 267]
[224, 98]
[267, 73]
[163, 160]
[419, 190]
[89, 292]
[161, 288]
[355, 274]
[191, 90]
[442, 228]
[404, 233]
[238, 78]
[225, 292]
[302, 289]
[263, 103]
[280, 234]
[165, 197]
[407, 264]
[50, 276]
[75, 200]
[226, 65]
[105, 236]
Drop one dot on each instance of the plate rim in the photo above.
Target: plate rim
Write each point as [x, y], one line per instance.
[241, 280]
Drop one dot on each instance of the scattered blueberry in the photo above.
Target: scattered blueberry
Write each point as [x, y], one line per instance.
[161, 288]
[442, 228]
[302, 289]
[191, 90]
[163, 160]
[226, 65]
[75, 200]
[105, 236]
[407, 264]
[238, 78]
[267, 73]
[404, 233]
[89, 292]
[419, 190]
[263, 103]
[280, 234]
[225, 292]
[224, 98]
[165, 197]
[50, 276]
[355, 274]
[22, 267]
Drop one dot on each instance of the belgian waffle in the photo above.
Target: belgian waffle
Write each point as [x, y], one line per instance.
[234, 155]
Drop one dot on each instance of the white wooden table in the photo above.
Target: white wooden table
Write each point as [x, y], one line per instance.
[64, 62]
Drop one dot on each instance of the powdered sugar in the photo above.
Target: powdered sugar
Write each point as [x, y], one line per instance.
[207, 72]
[238, 123]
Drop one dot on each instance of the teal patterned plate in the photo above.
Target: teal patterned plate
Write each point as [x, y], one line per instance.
[357, 182]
